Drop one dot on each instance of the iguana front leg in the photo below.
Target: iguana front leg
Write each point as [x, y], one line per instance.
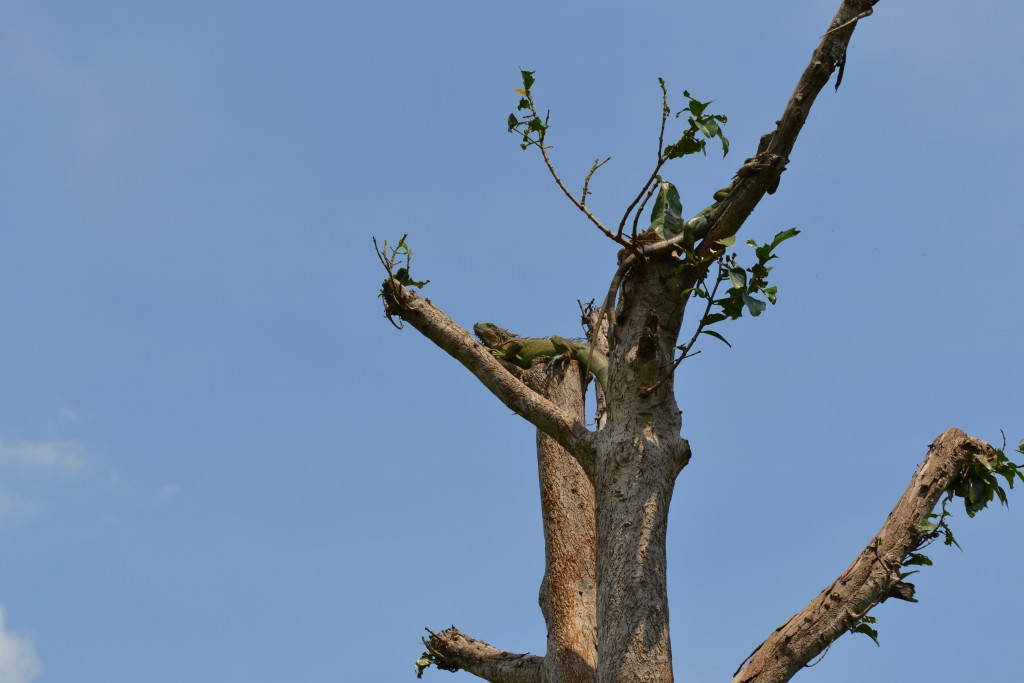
[511, 352]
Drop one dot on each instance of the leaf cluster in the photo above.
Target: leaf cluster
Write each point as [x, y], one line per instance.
[390, 256]
[863, 625]
[530, 127]
[745, 284]
[708, 126]
[978, 486]
[977, 483]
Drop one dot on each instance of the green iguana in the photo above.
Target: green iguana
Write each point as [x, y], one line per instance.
[522, 350]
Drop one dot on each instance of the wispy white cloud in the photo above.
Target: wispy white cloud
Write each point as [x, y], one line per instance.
[62, 457]
[19, 662]
[15, 507]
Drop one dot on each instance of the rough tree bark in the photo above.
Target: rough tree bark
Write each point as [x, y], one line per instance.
[605, 494]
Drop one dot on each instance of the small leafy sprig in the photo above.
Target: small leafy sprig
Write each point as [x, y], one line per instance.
[746, 283]
[531, 127]
[391, 255]
[978, 485]
[863, 625]
[707, 125]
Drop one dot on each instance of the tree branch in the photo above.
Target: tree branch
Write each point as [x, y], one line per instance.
[758, 177]
[435, 325]
[760, 174]
[872, 576]
[452, 650]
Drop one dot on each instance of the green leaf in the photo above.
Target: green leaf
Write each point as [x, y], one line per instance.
[696, 107]
[755, 306]
[425, 660]
[917, 559]
[528, 79]
[1001, 494]
[512, 122]
[712, 318]
[861, 627]
[686, 145]
[712, 333]
[727, 241]
[709, 128]
[667, 214]
[402, 275]
[975, 490]
[738, 277]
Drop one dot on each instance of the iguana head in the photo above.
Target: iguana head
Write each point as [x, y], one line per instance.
[491, 335]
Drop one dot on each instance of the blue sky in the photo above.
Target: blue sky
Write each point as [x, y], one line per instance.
[218, 462]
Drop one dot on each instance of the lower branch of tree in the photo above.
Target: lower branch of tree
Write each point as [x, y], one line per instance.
[452, 650]
[435, 325]
[872, 577]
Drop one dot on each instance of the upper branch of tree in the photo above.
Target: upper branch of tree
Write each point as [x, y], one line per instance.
[452, 650]
[761, 173]
[436, 326]
[873, 576]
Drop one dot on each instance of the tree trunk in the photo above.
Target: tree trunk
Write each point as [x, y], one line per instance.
[639, 455]
[568, 593]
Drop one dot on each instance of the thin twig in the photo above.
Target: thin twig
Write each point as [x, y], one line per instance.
[586, 182]
[640, 209]
[640, 195]
[665, 112]
[576, 202]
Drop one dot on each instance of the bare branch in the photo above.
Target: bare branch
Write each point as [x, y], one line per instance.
[872, 577]
[586, 182]
[762, 172]
[436, 326]
[577, 203]
[652, 186]
[454, 651]
[665, 112]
